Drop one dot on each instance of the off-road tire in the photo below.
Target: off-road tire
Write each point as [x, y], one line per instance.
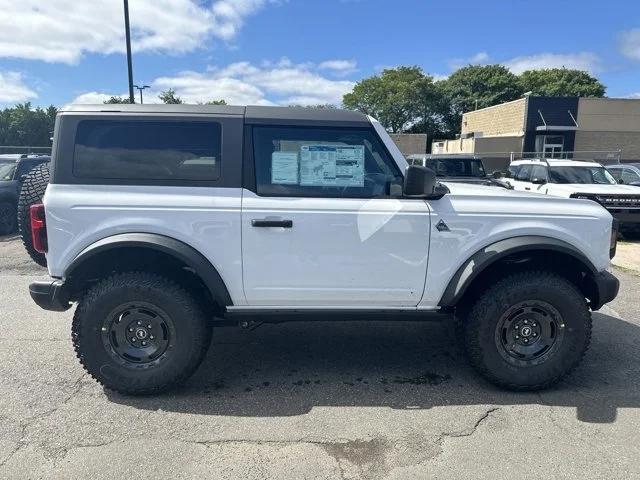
[7, 218]
[482, 337]
[191, 335]
[31, 192]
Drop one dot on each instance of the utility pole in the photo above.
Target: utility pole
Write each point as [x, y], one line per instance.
[140, 89]
[127, 33]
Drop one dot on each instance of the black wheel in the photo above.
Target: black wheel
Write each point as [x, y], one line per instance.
[527, 331]
[31, 192]
[8, 219]
[140, 333]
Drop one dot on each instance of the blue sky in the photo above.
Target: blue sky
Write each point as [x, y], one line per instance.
[298, 51]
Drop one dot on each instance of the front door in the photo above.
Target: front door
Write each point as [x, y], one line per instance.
[325, 224]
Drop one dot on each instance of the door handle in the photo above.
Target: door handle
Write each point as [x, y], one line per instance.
[527, 188]
[268, 223]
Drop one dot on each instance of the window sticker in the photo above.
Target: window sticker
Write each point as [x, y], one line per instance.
[284, 168]
[332, 165]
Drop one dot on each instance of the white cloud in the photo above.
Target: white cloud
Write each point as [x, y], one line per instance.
[64, 30]
[630, 44]
[271, 83]
[581, 61]
[13, 89]
[633, 95]
[339, 67]
[97, 97]
[479, 58]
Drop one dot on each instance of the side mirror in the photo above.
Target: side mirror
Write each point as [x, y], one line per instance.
[420, 182]
[621, 181]
[539, 181]
[497, 174]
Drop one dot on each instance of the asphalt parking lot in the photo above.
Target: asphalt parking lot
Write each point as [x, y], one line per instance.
[304, 401]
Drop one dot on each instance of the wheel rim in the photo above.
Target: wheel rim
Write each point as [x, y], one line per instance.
[138, 335]
[528, 333]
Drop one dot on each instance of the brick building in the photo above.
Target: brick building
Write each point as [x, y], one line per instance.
[594, 128]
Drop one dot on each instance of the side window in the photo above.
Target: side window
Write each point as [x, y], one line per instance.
[147, 150]
[514, 170]
[616, 173]
[629, 176]
[524, 174]
[539, 172]
[319, 162]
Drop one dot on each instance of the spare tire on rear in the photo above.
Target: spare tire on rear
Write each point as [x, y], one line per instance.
[31, 192]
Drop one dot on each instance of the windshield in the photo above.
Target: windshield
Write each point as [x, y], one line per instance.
[585, 175]
[6, 171]
[456, 167]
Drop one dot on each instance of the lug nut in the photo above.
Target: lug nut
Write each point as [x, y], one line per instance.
[535, 334]
[133, 339]
[149, 326]
[151, 337]
[534, 325]
[526, 322]
[526, 341]
[517, 336]
[144, 344]
[130, 329]
[139, 323]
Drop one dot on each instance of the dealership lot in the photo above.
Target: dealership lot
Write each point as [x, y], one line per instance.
[326, 400]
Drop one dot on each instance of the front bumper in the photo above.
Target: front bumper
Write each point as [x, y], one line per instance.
[50, 295]
[627, 218]
[606, 289]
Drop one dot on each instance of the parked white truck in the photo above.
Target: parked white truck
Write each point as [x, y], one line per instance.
[162, 221]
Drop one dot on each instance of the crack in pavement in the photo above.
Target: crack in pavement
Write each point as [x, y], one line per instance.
[76, 387]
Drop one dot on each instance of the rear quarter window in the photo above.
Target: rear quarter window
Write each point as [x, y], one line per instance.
[147, 150]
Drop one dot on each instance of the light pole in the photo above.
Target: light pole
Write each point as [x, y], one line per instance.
[140, 89]
[127, 34]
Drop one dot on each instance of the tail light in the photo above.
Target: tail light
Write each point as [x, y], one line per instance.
[614, 239]
[38, 228]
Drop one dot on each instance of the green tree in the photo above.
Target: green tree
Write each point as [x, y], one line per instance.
[478, 86]
[24, 125]
[402, 99]
[561, 82]
[393, 97]
[222, 101]
[115, 99]
[169, 96]
[318, 106]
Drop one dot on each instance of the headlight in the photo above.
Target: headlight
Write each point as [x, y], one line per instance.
[583, 196]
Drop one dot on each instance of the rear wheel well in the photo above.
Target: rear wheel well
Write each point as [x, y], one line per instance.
[138, 259]
[560, 263]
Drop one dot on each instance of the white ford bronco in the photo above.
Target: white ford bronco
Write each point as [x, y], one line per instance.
[161, 221]
[579, 179]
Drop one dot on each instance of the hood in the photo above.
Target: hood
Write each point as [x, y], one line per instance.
[569, 188]
[481, 190]
[467, 199]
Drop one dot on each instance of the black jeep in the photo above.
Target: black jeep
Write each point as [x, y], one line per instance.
[13, 170]
[458, 168]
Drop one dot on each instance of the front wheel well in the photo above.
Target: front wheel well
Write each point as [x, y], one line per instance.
[562, 264]
[138, 259]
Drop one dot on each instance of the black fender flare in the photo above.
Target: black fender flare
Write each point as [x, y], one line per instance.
[167, 245]
[494, 252]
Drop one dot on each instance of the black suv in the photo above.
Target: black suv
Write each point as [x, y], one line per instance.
[458, 168]
[13, 170]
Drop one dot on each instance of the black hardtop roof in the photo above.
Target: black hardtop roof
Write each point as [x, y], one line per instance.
[252, 114]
